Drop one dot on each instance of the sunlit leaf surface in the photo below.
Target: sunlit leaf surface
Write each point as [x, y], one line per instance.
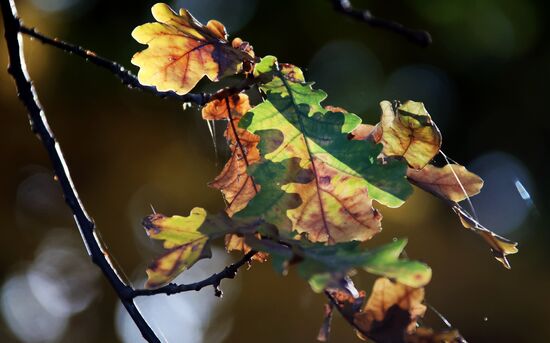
[185, 244]
[314, 259]
[181, 51]
[335, 201]
[409, 132]
[233, 181]
[453, 181]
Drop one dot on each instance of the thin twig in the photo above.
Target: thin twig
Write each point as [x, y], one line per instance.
[127, 77]
[39, 124]
[420, 37]
[228, 272]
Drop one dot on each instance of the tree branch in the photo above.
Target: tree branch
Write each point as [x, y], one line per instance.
[420, 37]
[39, 124]
[228, 272]
[127, 77]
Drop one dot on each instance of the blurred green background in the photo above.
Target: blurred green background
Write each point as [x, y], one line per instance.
[484, 80]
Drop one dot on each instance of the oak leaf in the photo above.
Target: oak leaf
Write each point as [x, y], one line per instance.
[409, 132]
[385, 295]
[336, 201]
[235, 184]
[316, 259]
[185, 244]
[236, 242]
[237, 187]
[500, 246]
[181, 51]
[444, 183]
[287, 80]
[187, 239]
[272, 202]
[453, 181]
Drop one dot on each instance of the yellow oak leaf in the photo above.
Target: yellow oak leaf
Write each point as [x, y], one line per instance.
[332, 203]
[410, 133]
[185, 244]
[181, 51]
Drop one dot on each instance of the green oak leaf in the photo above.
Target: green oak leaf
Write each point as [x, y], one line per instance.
[276, 76]
[317, 261]
[336, 203]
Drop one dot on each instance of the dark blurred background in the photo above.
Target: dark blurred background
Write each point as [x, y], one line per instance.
[484, 81]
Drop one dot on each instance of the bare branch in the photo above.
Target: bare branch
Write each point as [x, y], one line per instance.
[127, 77]
[39, 124]
[420, 37]
[228, 272]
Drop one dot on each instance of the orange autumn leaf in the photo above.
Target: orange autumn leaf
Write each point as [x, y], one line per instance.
[237, 187]
[453, 181]
[235, 184]
[236, 242]
[336, 109]
[181, 51]
[387, 295]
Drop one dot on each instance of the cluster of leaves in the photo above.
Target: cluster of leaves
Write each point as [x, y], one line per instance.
[302, 177]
